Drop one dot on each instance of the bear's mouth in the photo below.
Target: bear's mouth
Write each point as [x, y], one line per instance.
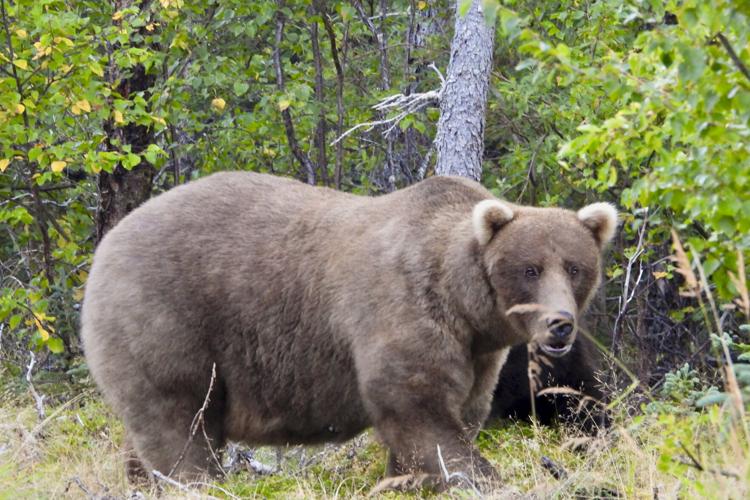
[556, 349]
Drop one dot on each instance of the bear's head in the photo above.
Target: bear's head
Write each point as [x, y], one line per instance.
[544, 266]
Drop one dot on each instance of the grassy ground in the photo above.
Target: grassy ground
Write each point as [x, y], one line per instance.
[668, 453]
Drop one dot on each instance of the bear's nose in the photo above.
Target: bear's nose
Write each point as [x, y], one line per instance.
[561, 326]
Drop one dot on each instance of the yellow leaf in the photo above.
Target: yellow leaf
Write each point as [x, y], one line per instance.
[78, 295]
[21, 34]
[21, 63]
[4, 164]
[159, 119]
[96, 69]
[660, 274]
[38, 318]
[117, 15]
[284, 103]
[218, 104]
[150, 27]
[20, 108]
[421, 5]
[119, 119]
[62, 39]
[58, 166]
[80, 106]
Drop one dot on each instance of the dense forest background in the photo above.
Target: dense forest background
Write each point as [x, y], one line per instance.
[642, 103]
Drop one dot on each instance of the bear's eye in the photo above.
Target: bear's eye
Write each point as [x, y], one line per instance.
[572, 270]
[532, 272]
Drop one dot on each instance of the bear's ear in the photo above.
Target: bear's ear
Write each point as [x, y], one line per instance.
[601, 219]
[488, 217]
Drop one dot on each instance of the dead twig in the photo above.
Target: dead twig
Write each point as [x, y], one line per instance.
[404, 104]
[199, 422]
[693, 462]
[55, 413]
[733, 55]
[557, 470]
[449, 477]
[185, 488]
[627, 293]
[38, 399]
[77, 481]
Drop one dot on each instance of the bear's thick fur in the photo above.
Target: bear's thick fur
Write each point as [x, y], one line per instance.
[325, 313]
[577, 370]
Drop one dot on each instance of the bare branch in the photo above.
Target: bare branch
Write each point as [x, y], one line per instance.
[627, 293]
[379, 35]
[733, 55]
[320, 128]
[337, 63]
[286, 115]
[199, 422]
[405, 104]
[38, 400]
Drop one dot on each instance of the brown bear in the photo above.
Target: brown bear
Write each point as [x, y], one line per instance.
[324, 313]
[583, 409]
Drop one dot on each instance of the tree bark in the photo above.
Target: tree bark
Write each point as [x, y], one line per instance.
[321, 128]
[123, 190]
[459, 142]
[291, 136]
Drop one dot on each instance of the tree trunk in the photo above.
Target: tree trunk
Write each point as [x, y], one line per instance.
[460, 133]
[123, 190]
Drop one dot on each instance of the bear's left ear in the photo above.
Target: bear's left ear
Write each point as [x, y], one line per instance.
[601, 219]
[488, 217]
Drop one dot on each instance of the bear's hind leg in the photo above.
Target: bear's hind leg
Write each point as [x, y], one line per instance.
[134, 469]
[175, 436]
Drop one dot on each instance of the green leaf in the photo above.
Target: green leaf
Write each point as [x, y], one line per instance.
[693, 62]
[14, 321]
[464, 7]
[55, 345]
[712, 399]
[240, 88]
[490, 8]
[131, 160]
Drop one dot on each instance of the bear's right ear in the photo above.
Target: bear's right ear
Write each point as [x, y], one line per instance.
[488, 217]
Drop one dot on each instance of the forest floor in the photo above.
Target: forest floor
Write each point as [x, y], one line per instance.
[665, 452]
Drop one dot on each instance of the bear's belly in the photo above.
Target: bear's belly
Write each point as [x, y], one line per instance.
[274, 426]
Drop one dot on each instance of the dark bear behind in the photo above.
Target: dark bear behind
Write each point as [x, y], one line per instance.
[577, 370]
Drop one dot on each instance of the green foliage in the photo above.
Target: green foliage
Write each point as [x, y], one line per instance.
[640, 103]
[214, 104]
[656, 100]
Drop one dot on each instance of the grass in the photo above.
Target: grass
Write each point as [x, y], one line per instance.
[669, 452]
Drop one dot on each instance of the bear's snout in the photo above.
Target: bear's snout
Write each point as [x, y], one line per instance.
[561, 329]
[562, 325]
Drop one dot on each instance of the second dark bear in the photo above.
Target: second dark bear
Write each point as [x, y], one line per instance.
[577, 370]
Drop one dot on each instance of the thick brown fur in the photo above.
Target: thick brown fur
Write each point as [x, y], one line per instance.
[324, 313]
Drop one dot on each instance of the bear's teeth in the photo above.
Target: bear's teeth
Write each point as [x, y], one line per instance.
[556, 351]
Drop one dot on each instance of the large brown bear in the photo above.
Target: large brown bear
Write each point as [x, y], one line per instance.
[325, 313]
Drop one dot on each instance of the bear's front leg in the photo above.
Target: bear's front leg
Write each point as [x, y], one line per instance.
[415, 403]
[477, 407]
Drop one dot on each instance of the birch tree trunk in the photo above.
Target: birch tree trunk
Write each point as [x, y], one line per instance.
[459, 142]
